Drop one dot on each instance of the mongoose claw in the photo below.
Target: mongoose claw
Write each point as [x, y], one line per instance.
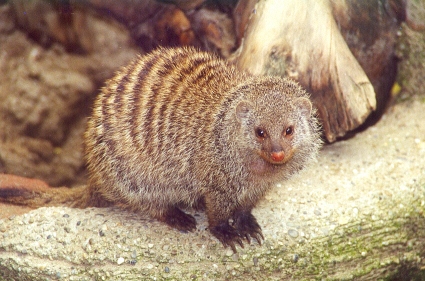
[258, 236]
[246, 225]
[227, 235]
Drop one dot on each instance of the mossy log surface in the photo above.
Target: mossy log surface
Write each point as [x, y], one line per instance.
[358, 213]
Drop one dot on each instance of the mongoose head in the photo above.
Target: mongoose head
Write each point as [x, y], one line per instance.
[276, 119]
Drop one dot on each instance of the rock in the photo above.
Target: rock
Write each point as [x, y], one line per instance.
[47, 93]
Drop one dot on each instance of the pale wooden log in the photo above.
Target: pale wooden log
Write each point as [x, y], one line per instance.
[300, 39]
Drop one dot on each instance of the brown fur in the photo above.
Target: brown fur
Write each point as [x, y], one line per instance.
[182, 128]
[178, 127]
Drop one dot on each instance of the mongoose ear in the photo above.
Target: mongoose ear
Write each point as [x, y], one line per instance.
[242, 109]
[304, 105]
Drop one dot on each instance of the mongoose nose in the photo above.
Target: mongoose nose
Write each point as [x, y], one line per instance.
[278, 156]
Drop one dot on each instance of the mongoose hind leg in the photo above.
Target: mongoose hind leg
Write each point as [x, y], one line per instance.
[200, 204]
[178, 219]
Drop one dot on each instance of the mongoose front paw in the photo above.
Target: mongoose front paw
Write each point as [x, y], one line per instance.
[246, 225]
[227, 235]
[176, 218]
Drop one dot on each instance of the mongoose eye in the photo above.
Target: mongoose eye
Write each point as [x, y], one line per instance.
[260, 133]
[289, 131]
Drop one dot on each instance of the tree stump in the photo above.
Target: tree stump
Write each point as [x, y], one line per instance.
[302, 40]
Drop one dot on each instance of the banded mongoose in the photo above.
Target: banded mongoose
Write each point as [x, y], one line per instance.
[182, 128]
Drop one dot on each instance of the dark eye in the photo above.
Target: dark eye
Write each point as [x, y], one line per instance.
[289, 131]
[260, 133]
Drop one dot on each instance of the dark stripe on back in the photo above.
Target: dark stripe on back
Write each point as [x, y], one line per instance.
[107, 126]
[121, 89]
[105, 120]
[161, 105]
[218, 122]
[212, 69]
[184, 88]
[161, 121]
[166, 67]
[148, 62]
[93, 134]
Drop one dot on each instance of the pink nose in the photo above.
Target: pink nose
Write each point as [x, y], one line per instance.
[278, 156]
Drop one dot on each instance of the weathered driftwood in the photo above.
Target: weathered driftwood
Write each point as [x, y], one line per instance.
[370, 30]
[313, 52]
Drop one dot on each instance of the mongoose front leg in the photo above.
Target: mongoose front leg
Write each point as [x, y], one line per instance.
[219, 208]
[227, 235]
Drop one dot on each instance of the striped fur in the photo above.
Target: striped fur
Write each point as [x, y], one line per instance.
[166, 132]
